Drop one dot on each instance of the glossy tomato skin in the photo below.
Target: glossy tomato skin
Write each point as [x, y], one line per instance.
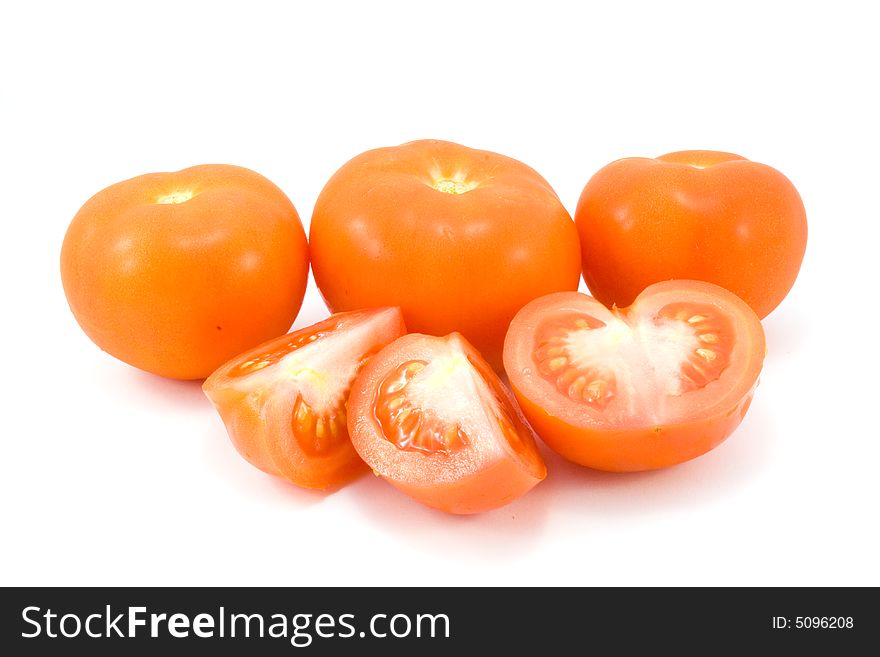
[258, 402]
[384, 232]
[494, 463]
[637, 449]
[699, 421]
[702, 215]
[175, 273]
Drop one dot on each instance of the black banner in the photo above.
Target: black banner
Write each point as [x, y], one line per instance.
[333, 621]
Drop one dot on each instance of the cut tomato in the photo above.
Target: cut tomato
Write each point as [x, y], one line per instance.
[283, 403]
[639, 388]
[431, 416]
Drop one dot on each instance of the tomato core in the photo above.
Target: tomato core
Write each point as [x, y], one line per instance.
[510, 424]
[681, 348]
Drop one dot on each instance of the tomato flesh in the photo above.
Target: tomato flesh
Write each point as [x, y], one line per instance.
[284, 402]
[663, 377]
[430, 416]
[284, 347]
[403, 422]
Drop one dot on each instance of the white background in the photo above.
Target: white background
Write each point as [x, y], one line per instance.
[112, 476]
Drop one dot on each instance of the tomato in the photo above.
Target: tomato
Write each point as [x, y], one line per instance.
[283, 402]
[431, 416]
[639, 388]
[701, 215]
[175, 273]
[458, 238]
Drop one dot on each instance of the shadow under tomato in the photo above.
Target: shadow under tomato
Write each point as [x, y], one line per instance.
[250, 482]
[571, 493]
[586, 493]
[504, 532]
[155, 391]
[786, 330]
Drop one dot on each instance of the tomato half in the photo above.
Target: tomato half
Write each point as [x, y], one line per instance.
[700, 215]
[431, 416]
[638, 388]
[459, 238]
[175, 273]
[284, 402]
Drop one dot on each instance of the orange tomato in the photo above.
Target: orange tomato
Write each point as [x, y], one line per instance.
[638, 388]
[701, 215]
[431, 416]
[458, 238]
[284, 402]
[175, 273]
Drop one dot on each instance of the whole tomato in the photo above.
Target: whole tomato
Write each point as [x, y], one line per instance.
[459, 239]
[701, 215]
[175, 273]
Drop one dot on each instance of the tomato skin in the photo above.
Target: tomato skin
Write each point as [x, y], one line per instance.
[258, 419]
[177, 286]
[702, 215]
[487, 473]
[500, 484]
[382, 234]
[632, 450]
[701, 420]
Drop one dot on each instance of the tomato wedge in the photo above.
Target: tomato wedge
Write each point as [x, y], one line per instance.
[283, 403]
[638, 388]
[431, 416]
